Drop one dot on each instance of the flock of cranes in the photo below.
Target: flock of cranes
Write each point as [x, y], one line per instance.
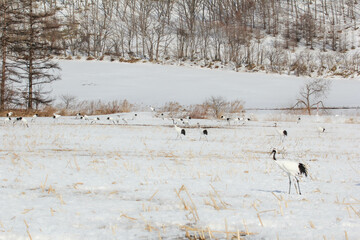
[291, 168]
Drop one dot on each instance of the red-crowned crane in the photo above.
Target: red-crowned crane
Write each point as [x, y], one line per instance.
[291, 168]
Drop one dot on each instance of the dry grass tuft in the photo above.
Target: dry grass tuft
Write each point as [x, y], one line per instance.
[352, 120]
[188, 206]
[199, 111]
[131, 60]
[215, 200]
[173, 108]
[281, 118]
[312, 225]
[194, 233]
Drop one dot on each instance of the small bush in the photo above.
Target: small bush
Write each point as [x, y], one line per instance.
[199, 111]
[173, 108]
[236, 106]
[218, 106]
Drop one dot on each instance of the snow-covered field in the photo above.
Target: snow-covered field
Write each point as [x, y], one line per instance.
[153, 84]
[69, 179]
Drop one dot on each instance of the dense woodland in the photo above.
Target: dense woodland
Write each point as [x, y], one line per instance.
[301, 37]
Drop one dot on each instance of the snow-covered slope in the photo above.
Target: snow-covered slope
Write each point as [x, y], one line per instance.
[157, 84]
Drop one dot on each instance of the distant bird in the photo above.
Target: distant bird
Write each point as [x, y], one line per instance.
[21, 120]
[152, 109]
[9, 114]
[34, 117]
[94, 120]
[85, 117]
[180, 131]
[126, 120]
[7, 120]
[321, 129]
[282, 133]
[291, 168]
[185, 121]
[111, 119]
[203, 132]
[298, 120]
[228, 119]
[78, 115]
[56, 117]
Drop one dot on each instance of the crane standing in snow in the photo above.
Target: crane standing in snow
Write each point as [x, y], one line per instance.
[56, 116]
[203, 132]
[282, 133]
[180, 131]
[22, 121]
[291, 168]
[321, 130]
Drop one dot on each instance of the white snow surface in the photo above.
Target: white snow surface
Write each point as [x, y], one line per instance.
[69, 179]
[155, 84]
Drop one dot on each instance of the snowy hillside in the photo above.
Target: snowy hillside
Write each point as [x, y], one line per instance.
[153, 84]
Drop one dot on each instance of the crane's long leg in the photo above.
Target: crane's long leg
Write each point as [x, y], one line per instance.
[297, 180]
[296, 188]
[289, 183]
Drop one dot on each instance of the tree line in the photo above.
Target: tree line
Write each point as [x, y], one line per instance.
[26, 65]
[302, 37]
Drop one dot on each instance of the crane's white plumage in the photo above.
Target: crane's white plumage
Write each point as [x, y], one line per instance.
[281, 132]
[34, 117]
[203, 132]
[179, 131]
[291, 168]
[321, 129]
[111, 119]
[94, 120]
[7, 120]
[85, 117]
[22, 121]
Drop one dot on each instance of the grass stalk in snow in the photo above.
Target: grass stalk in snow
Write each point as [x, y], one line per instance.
[312, 225]
[153, 195]
[212, 233]
[42, 186]
[191, 207]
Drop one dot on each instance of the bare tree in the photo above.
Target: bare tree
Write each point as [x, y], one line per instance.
[217, 105]
[9, 21]
[68, 100]
[33, 51]
[312, 93]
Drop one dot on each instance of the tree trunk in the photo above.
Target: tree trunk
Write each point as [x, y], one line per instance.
[3, 51]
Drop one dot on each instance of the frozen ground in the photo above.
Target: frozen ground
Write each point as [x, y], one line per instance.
[157, 84]
[69, 179]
